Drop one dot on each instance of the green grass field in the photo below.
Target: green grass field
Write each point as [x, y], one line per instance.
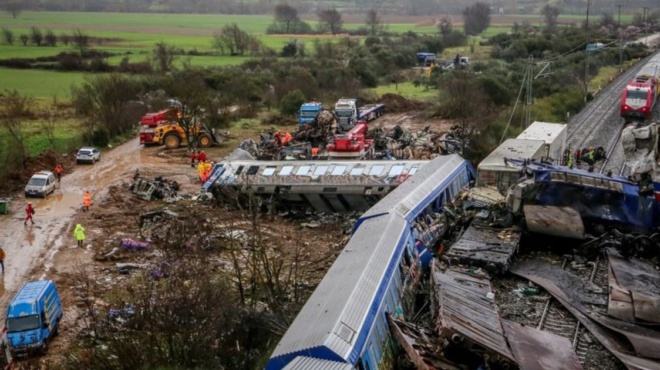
[38, 83]
[137, 33]
[406, 89]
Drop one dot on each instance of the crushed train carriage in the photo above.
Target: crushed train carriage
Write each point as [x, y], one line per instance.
[344, 321]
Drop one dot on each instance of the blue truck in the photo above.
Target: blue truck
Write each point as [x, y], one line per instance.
[426, 59]
[309, 111]
[33, 318]
[348, 113]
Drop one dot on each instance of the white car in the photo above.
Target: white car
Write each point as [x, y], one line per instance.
[88, 154]
[40, 185]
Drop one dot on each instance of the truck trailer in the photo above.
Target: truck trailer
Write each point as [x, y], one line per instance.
[33, 318]
[348, 113]
[554, 136]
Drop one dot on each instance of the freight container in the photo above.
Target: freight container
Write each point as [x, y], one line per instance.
[554, 135]
[494, 171]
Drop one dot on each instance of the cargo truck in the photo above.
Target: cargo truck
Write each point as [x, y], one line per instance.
[309, 111]
[348, 113]
[33, 318]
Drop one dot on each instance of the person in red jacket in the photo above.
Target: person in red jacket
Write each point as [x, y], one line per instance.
[29, 211]
[193, 156]
[201, 157]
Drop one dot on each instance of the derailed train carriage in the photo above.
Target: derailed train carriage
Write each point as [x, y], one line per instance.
[343, 325]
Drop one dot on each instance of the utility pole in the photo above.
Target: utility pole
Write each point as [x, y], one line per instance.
[646, 32]
[619, 30]
[586, 50]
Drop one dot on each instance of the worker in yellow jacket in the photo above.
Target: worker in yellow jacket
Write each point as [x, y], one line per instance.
[79, 233]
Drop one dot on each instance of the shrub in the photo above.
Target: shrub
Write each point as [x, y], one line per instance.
[100, 137]
[291, 102]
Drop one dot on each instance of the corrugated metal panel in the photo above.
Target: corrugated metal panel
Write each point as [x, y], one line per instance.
[464, 308]
[415, 190]
[335, 313]
[309, 363]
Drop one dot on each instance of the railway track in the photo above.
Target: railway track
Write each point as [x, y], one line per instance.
[599, 124]
[557, 320]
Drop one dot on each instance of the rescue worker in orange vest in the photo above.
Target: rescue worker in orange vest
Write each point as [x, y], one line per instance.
[200, 169]
[207, 171]
[287, 138]
[58, 172]
[87, 201]
[315, 152]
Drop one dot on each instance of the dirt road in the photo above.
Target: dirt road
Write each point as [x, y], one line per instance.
[31, 249]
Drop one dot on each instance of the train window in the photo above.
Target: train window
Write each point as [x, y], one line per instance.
[357, 171]
[338, 170]
[269, 171]
[413, 170]
[376, 170]
[239, 170]
[396, 170]
[252, 170]
[303, 170]
[320, 170]
[286, 170]
[359, 365]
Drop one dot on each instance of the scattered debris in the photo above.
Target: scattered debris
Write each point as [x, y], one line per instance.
[159, 188]
[133, 245]
[540, 350]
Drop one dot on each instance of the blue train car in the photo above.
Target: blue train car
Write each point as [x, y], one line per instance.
[419, 200]
[597, 197]
[343, 325]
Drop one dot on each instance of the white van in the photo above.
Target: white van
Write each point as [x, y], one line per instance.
[40, 185]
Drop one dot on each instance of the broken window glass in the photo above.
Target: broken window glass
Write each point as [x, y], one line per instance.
[357, 171]
[396, 170]
[338, 170]
[286, 170]
[303, 170]
[320, 170]
[376, 170]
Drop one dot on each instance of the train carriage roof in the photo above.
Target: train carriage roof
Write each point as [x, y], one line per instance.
[309, 363]
[330, 324]
[408, 199]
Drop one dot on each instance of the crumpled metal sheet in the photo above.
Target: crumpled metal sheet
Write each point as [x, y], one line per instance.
[574, 293]
[540, 350]
[558, 221]
[637, 289]
[466, 309]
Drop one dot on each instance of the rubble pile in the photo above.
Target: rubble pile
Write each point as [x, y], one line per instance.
[158, 188]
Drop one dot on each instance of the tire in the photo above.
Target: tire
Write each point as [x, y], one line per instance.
[172, 141]
[204, 140]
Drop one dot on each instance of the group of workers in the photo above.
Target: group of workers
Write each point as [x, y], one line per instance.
[589, 155]
[197, 156]
[282, 138]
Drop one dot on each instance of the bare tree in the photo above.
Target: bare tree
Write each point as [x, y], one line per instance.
[163, 56]
[8, 36]
[607, 20]
[36, 36]
[65, 39]
[374, 22]
[233, 40]
[550, 15]
[445, 25]
[286, 16]
[24, 39]
[14, 108]
[330, 21]
[13, 7]
[50, 39]
[80, 40]
[49, 123]
[476, 18]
